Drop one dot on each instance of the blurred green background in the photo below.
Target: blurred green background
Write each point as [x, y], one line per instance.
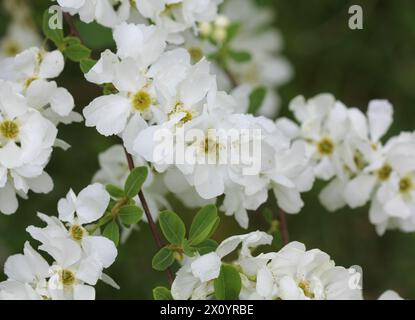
[356, 66]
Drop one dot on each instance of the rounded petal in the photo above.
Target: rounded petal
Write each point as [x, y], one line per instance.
[108, 114]
[92, 203]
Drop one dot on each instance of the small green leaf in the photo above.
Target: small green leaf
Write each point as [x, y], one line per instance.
[114, 191]
[162, 293]
[233, 31]
[172, 227]
[130, 214]
[77, 52]
[207, 246]
[163, 259]
[188, 249]
[240, 56]
[112, 232]
[70, 41]
[215, 227]
[87, 64]
[109, 88]
[135, 181]
[228, 284]
[202, 224]
[256, 99]
[55, 35]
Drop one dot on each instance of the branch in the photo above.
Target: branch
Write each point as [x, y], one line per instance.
[284, 227]
[73, 31]
[153, 226]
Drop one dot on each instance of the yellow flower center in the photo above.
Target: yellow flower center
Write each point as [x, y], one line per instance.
[29, 81]
[67, 277]
[195, 53]
[384, 172]
[11, 48]
[405, 185]
[9, 129]
[141, 101]
[305, 286]
[77, 232]
[325, 147]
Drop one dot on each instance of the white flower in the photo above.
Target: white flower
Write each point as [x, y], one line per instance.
[27, 275]
[136, 99]
[100, 10]
[78, 211]
[324, 124]
[26, 141]
[194, 279]
[390, 295]
[32, 70]
[305, 275]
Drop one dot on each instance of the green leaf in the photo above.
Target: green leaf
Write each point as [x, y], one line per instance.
[240, 56]
[215, 227]
[87, 64]
[163, 259]
[114, 191]
[233, 31]
[162, 293]
[228, 284]
[55, 35]
[172, 227]
[112, 232]
[77, 52]
[130, 214]
[202, 224]
[188, 249]
[135, 181]
[207, 246]
[109, 88]
[256, 99]
[70, 41]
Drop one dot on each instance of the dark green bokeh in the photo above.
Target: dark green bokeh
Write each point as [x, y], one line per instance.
[356, 66]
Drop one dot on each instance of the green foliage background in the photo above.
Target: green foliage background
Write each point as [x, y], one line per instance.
[356, 66]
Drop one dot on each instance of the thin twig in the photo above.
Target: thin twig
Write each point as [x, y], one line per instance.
[153, 226]
[284, 227]
[73, 31]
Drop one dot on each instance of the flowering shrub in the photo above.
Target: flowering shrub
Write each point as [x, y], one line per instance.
[189, 92]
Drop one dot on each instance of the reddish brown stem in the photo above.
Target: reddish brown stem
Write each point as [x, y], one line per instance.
[153, 226]
[284, 227]
[73, 31]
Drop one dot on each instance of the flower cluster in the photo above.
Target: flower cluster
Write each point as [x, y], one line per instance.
[293, 273]
[172, 16]
[79, 254]
[31, 107]
[156, 91]
[347, 150]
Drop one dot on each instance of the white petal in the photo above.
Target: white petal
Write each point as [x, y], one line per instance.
[83, 292]
[359, 190]
[101, 248]
[332, 196]
[62, 102]
[92, 203]
[8, 200]
[52, 65]
[108, 114]
[380, 115]
[265, 282]
[206, 267]
[104, 70]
